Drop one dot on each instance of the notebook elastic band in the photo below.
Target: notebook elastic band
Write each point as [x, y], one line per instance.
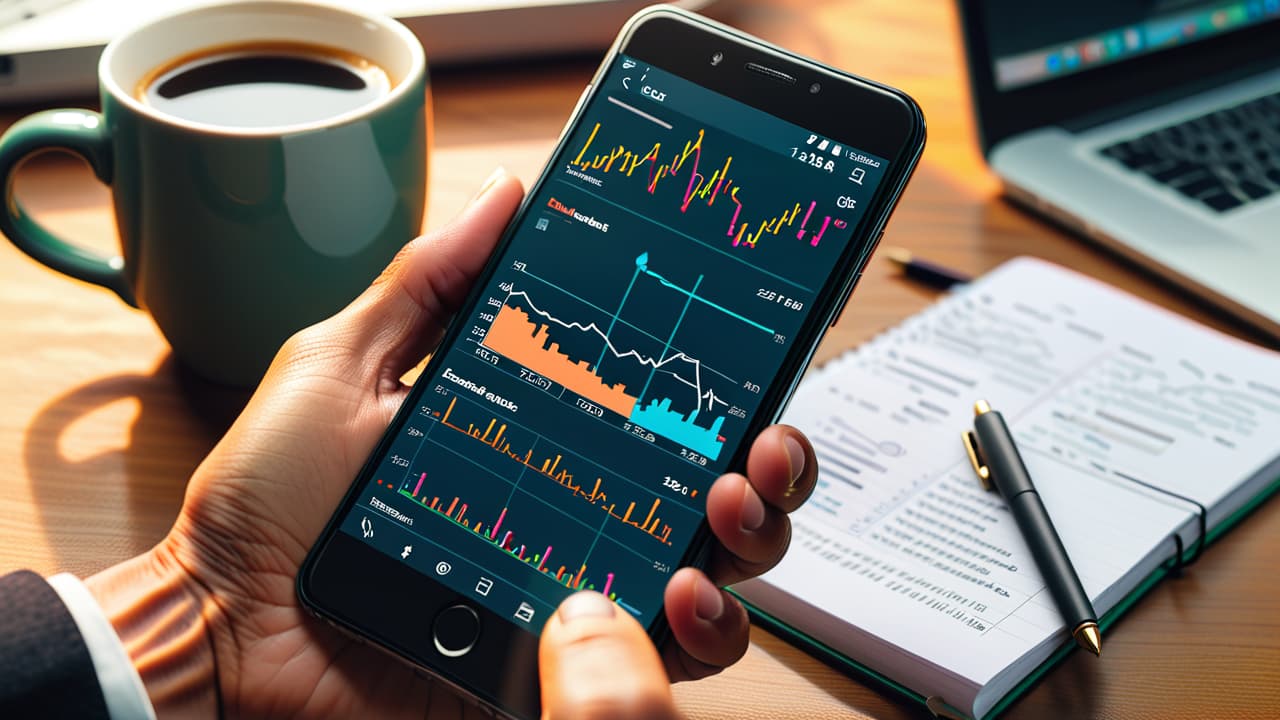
[1181, 558]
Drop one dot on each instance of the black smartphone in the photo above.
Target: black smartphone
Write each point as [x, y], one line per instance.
[703, 219]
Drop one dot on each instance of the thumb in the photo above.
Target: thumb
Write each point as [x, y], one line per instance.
[596, 661]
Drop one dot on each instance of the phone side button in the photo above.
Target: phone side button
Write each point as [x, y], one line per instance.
[576, 107]
[455, 631]
[845, 303]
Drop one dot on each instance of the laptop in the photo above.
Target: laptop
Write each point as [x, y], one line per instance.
[49, 48]
[1151, 126]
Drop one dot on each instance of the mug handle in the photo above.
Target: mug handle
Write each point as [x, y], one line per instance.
[83, 133]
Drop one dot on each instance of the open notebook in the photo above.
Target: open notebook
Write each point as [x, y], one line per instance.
[902, 566]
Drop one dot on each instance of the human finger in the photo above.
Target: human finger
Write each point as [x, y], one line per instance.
[751, 534]
[782, 467]
[597, 663]
[710, 627]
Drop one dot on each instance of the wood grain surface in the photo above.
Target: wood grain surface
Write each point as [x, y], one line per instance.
[99, 427]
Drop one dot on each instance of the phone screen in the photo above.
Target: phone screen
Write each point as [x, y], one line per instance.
[637, 317]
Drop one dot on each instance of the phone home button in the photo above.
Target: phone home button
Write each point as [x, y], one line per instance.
[455, 630]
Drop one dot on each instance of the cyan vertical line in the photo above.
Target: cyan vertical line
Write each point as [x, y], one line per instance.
[524, 469]
[663, 357]
[594, 541]
[609, 333]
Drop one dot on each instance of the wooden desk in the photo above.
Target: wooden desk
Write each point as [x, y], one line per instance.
[98, 429]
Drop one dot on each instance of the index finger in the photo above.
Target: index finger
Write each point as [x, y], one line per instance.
[782, 467]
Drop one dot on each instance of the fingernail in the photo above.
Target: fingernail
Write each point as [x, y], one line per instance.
[497, 174]
[795, 454]
[752, 510]
[585, 604]
[708, 602]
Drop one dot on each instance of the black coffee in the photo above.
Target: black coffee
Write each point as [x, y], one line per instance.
[264, 85]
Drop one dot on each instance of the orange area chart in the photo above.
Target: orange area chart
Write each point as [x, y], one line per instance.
[515, 336]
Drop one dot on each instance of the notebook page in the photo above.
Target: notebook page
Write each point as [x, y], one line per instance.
[1097, 387]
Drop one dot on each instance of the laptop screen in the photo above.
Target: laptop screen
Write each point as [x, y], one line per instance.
[1033, 42]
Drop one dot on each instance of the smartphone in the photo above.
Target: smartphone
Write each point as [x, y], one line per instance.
[703, 219]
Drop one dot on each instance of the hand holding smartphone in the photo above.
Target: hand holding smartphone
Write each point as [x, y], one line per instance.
[647, 314]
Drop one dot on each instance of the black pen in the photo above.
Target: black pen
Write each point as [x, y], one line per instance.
[995, 458]
[925, 271]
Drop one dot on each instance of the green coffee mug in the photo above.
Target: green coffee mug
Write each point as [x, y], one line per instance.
[236, 237]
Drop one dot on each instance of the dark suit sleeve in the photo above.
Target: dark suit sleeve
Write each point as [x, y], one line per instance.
[45, 668]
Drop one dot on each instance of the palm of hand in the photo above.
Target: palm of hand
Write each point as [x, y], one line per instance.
[259, 501]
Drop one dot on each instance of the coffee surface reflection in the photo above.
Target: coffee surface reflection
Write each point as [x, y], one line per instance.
[260, 86]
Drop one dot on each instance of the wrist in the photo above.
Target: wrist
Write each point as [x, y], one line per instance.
[164, 620]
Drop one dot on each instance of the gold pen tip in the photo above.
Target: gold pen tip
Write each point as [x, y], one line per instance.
[1089, 637]
[898, 255]
[981, 407]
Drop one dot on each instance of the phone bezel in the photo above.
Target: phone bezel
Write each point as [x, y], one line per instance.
[884, 122]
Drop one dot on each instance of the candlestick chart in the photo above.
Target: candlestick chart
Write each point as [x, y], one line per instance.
[685, 170]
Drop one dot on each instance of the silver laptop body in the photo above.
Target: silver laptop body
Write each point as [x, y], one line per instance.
[1152, 127]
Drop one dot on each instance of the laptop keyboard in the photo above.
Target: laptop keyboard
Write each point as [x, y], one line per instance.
[1223, 159]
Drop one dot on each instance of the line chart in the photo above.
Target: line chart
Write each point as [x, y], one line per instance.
[524, 331]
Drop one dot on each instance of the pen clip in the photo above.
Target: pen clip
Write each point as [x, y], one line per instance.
[975, 459]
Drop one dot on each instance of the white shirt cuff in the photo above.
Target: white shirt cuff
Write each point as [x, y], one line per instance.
[121, 685]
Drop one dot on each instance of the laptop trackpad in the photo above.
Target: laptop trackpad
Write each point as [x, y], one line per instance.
[1256, 224]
